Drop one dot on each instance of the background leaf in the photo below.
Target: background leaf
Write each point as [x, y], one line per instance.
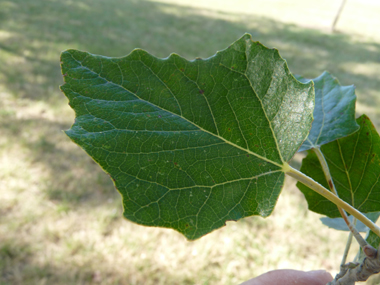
[190, 145]
[334, 112]
[340, 225]
[354, 163]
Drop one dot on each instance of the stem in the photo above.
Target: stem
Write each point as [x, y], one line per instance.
[347, 249]
[309, 182]
[343, 213]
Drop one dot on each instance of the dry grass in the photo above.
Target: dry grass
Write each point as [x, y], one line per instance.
[360, 17]
[60, 218]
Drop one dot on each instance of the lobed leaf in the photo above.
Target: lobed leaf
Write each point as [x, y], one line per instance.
[354, 164]
[190, 144]
[334, 112]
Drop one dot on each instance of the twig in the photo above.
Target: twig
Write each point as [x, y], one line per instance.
[309, 182]
[346, 250]
[351, 272]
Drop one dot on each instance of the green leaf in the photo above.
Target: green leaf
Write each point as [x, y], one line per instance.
[373, 239]
[334, 112]
[190, 144]
[354, 164]
[340, 225]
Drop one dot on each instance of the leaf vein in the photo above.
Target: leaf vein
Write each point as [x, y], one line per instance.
[237, 146]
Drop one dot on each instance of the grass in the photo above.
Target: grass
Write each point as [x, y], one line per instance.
[60, 218]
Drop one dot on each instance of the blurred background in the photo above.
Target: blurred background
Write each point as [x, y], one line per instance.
[60, 216]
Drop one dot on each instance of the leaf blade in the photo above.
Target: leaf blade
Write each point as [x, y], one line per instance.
[340, 225]
[334, 112]
[189, 145]
[354, 165]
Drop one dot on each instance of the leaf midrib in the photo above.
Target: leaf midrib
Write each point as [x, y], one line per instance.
[261, 103]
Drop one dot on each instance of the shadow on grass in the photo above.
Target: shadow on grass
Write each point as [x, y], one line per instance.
[38, 30]
[18, 259]
[70, 176]
[19, 264]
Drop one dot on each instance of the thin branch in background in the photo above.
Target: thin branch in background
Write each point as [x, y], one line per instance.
[347, 249]
[338, 15]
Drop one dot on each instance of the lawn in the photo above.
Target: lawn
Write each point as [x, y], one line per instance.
[60, 216]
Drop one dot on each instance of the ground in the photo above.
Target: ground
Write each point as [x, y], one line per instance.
[60, 217]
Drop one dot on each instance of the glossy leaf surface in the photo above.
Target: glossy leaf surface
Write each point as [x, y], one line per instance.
[334, 112]
[190, 144]
[354, 164]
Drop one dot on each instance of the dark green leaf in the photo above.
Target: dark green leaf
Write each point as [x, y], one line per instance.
[334, 112]
[190, 144]
[354, 163]
[340, 225]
